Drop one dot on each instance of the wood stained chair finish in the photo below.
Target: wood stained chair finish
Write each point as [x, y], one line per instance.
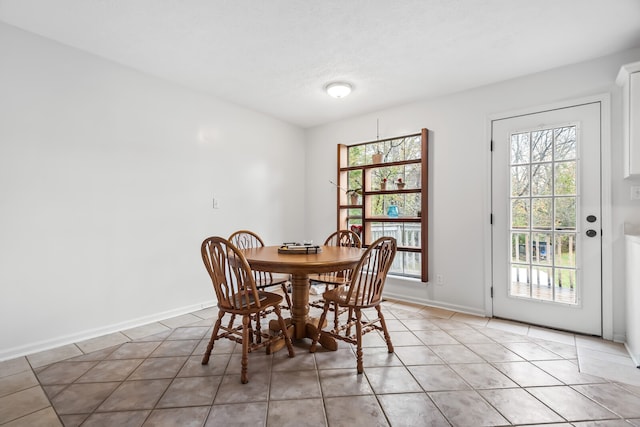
[238, 295]
[334, 279]
[245, 239]
[363, 291]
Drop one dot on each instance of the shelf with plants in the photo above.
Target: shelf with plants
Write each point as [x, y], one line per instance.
[393, 219]
[412, 190]
[390, 178]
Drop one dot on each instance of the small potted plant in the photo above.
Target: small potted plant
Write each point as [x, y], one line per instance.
[383, 184]
[400, 184]
[354, 194]
[376, 157]
[356, 228]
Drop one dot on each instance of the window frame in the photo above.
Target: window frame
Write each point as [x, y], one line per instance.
[348, 213]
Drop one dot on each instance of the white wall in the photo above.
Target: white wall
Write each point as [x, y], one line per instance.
[106, 184]
[107, 177]
[459, 175]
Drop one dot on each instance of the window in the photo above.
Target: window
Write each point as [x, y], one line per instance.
[384, 193]
[543, 214]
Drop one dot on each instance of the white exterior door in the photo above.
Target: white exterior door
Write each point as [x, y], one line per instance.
[546, 210]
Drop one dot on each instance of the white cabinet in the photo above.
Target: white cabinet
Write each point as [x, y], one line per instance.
[629, 79]
[633, 296]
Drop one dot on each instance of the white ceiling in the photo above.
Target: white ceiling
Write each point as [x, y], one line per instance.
[276, 56]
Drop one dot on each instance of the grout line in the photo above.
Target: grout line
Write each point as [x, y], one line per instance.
[389, 310]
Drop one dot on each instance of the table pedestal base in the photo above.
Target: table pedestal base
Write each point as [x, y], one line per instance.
[326, 340]
[330, 258]
[310, 331]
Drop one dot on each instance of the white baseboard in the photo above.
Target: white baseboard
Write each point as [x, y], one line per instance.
[619, 338]
[634, 357]
[437, 304]
[36, 347]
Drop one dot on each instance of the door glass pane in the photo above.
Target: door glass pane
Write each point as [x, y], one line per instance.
[565, 250]
[543, 214]
[541, 278]
[520, 248]
[520, 149]
[542, 249]
[565, 213]
[541, 180]
[520, 281]
[565, 284]
[542, 146]
[520, 213]
[519, 181]
[565, 143]
[565, 178]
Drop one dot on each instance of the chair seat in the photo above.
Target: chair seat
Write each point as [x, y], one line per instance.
[242, 299]
[339, 296]
[264, 281]
[267, 299]
[336, 279]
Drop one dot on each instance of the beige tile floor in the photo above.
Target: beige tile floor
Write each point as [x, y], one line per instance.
[448, 369]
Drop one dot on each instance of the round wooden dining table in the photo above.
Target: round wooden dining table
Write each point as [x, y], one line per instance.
[300, 266]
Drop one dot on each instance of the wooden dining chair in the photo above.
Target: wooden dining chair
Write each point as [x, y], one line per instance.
[245, 239]
[238, 295]
[363, 291]
[334, 279]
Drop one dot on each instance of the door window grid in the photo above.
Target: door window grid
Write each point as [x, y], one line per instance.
[543, 215]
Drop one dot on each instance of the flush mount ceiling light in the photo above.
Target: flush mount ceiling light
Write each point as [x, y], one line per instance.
[338, 89]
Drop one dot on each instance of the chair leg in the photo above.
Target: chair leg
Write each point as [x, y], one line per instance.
[387, 337]
[336, 314]
[359, 340]
[323, 317]
[286, 294]
[244, 378]
[350, 316]
[214, 335]
[285, 332]
[233, 319]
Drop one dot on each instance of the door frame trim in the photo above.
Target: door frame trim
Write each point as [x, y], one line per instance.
[606, 209]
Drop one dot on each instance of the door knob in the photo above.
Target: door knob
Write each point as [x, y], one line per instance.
[591, 233]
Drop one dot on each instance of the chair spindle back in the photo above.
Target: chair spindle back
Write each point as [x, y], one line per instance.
[344, 238]
[245, 239]
[369, 275]
[230, 274]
